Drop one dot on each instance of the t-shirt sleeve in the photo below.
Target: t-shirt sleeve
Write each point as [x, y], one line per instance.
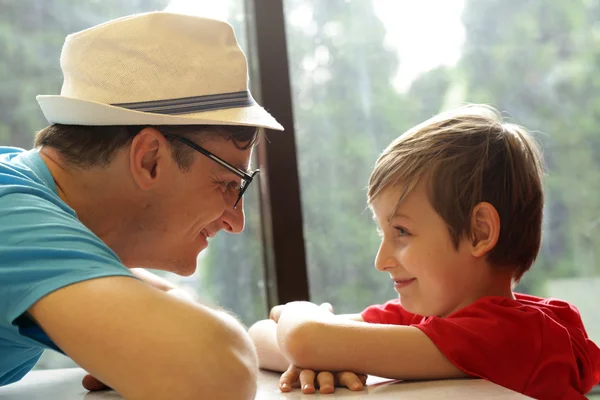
[390, 313]
[44, 247]
[514, 346]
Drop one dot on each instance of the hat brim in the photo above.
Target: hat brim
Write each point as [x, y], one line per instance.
[72, 111]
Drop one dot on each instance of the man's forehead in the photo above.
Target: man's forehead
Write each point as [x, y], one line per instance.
[240, 159]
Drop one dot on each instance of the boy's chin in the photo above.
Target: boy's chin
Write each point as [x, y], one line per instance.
[413, 307]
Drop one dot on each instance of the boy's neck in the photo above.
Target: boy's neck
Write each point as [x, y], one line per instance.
[498, 283]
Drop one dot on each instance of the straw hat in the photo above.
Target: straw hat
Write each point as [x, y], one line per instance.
[156, 68]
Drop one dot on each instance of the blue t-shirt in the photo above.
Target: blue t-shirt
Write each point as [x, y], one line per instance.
[43, 247]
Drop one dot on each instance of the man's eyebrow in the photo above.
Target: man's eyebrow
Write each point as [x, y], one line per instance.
[242, 167]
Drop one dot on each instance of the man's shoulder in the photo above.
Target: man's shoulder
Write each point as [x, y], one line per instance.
[24, 170]
[10, 150]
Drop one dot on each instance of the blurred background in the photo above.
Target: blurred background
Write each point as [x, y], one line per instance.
[362, 72]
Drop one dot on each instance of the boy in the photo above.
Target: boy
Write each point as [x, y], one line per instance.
[458, 201]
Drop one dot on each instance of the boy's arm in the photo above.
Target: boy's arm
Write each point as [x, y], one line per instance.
[264, 336]
[147, 344]
[312, 338]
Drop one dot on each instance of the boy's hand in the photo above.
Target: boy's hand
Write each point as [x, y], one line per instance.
[278, 310]
[326, 381]
[308, 380]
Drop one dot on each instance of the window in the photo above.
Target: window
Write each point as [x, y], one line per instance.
[365, 71]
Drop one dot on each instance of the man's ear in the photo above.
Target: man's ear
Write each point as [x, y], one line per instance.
[485, 229]
[147, 156]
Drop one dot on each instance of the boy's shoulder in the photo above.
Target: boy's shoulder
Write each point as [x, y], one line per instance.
[524, 311]
[534, 338]
[489, 307]
[526, 307]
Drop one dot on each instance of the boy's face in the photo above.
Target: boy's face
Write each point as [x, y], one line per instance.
[430, 275]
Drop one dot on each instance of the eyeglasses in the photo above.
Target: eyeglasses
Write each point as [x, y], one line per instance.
[246, 178]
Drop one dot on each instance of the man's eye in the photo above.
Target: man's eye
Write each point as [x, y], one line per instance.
[233, 186]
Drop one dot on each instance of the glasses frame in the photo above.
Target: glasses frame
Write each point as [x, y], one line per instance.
[246, 177]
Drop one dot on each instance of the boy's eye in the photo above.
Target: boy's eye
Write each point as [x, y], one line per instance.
[401, 231]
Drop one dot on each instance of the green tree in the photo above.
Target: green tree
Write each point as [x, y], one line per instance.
[346, 111]
[537, 61]
[32, 33]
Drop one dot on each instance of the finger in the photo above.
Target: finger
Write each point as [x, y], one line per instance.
[307, 381]
[326, 382]
[276, 312]
[92, 384]
[363, 379]
[350, 380]
[327, 306]
[289, 378]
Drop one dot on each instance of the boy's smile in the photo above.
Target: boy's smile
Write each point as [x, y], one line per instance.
[402, 283]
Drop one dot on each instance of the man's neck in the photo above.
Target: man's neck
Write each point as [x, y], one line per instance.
[91, 193]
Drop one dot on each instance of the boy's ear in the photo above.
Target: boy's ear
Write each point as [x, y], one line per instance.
[485, 229]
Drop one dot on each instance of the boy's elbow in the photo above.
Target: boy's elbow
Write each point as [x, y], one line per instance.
[301, 345]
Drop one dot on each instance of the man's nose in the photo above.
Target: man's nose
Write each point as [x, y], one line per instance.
[233, 219]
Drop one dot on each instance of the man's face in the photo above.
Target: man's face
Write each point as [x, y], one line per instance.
[430, 275]
[187, 208]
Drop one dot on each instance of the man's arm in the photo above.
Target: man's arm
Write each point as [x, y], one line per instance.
[162, 284]
[311, 338]
[152, 279]
[264, 336]
[148, 345]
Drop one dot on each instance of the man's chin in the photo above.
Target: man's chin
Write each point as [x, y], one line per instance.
[178, 267]
[183, 267]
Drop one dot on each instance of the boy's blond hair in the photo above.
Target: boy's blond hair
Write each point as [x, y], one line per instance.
[469, 155]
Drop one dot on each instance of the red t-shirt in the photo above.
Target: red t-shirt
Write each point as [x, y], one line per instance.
[531, 345]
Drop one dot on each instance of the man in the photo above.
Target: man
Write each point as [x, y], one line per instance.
[146, 159]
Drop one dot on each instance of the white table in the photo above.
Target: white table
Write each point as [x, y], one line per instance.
[65, 384]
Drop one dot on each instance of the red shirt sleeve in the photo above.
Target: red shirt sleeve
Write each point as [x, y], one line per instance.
[516, 346]
[390, 313]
